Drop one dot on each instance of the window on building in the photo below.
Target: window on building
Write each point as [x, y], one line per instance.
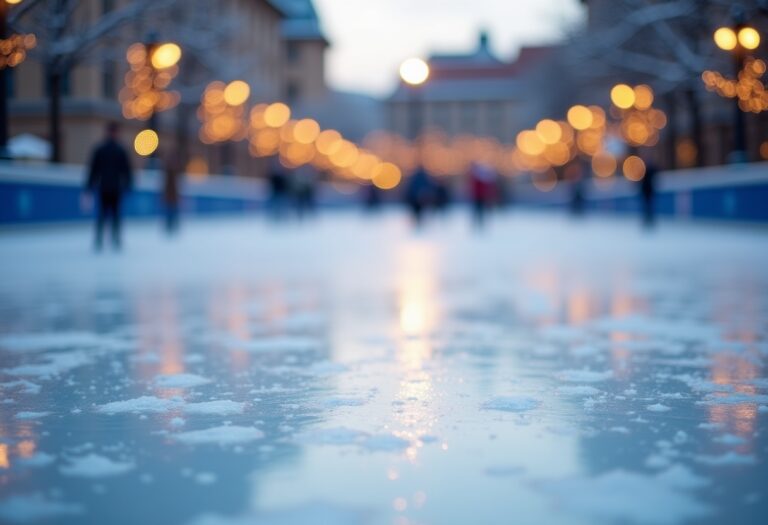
[292, 52]
[108, 80]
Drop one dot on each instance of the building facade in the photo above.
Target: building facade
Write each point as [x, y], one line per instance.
[267, 43]
[475, 93]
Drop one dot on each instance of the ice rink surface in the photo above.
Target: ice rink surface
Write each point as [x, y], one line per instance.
[352, 370]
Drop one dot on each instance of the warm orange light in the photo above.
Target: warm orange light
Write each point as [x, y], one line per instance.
[414, 71]
[329, 142]
[146, 142]
[580, 117]
[386, 176]
[529, 143]
[165, 56]
[764, 150]
[236, 93]
[623, 96]
[277, 114]
[726, 39]
[549, 131]
[306, 131]
[643, 97]
[13, 2]
[634, 168]
[604, 164]
[749, 38]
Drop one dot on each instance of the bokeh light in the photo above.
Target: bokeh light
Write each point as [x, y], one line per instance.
[749, 38]
[414, 71]
[634, 168]
[146, 142]
[236, 93]
[604, 164]
[725, 39]
[580, 117]
[549, 131]
[165, 56]
[386, 176]
[623, 96]
[277, 114]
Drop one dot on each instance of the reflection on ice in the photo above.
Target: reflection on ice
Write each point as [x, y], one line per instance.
[457, 379]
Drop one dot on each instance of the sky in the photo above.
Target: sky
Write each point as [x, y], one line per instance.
[370, 38]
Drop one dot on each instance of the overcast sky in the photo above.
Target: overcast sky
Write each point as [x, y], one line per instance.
[370, 38]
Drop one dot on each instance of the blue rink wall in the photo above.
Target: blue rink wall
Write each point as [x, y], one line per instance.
[42, 194]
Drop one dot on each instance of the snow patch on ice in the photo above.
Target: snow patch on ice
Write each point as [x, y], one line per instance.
[222, 435]
[658, 407]
[23, 386]
[141, 404]
[53, 365]
[95, 466]
[727, 459]
[38, 459]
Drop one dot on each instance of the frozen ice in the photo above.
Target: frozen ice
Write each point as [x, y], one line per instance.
[578, 390]
[622, 496]
[222, 407]
[727, 459]
[141, 404]
[31, 415]
[95, 466]
[35, 507]
[511, 403]
[23, 386]
[51, 365]
[222, 435]
[181, 381]
[584, 375]
[248, 374]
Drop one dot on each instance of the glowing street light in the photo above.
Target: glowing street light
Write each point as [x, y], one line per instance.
[414, 71]
[166, 55]
[623, 96]
[726, 39]
[738, 40]
[146, 142]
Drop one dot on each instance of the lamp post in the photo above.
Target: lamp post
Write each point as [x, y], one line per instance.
[4, 6]
[414, 72]
[739, 40]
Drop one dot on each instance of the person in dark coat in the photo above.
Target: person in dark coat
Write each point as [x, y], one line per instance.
[109, 177]
[171, 192]
[648, 194]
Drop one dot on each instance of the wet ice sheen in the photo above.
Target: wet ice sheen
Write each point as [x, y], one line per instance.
[435, 378]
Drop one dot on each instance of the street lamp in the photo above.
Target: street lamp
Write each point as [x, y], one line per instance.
[13, 50]
[414, 72]
[739, 40]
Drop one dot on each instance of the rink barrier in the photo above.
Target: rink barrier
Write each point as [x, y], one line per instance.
[736, 193]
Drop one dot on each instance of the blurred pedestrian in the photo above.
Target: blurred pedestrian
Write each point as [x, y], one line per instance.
[482, 191]
[303, 190]
[171, 192]
[278, 188]
[419, 194]
[648, 194]
[110, 177]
